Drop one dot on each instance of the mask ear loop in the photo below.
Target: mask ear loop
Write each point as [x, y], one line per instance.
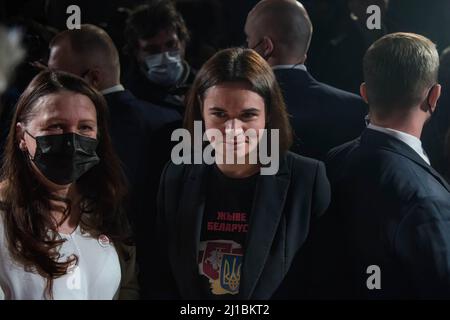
[26, 152]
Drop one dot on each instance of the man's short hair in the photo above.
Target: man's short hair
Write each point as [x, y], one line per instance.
[288, 21]
[89, 41]
[147, 20]
[399, 69]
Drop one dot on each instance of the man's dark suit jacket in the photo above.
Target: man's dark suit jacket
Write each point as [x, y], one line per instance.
[141, 139]
[156, 94]
[284, 206]
[323, 117]
[391, 210]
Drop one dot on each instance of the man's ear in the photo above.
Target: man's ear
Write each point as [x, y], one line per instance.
[268, 47]
[93, 77]
[430, 102]
[433, 97]
[363, 92]
[20, 136]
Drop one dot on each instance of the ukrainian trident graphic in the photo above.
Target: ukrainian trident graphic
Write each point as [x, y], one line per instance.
[221, 262]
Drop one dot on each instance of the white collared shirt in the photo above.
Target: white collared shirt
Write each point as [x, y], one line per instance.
[290, 66]
[407, 138]
[116, 88]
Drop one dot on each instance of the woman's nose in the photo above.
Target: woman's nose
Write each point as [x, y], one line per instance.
[233, 124]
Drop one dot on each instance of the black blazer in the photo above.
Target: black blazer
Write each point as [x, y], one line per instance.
[323, 117]
[392, 210]
[284, 205]
[141, 138]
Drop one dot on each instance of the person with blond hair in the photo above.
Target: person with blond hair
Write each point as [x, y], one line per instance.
[392, 209]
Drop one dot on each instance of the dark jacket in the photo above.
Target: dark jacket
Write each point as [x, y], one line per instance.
[434, 137]
[284, 206]
[141, 139]
[391, 210]
[323, 117]
[167, 97]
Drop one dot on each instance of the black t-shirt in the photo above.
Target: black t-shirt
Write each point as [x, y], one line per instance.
[225, 225]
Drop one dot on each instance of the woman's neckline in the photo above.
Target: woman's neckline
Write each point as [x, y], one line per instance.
[74, 231]
[223, 174]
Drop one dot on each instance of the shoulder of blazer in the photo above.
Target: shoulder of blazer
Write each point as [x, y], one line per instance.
[301, 165]
[175, 176]
[291, 164]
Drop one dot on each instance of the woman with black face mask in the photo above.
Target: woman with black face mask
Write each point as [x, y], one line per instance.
[63, 234]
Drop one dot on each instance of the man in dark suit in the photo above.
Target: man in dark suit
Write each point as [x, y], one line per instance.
[391, 208]
[140, 131]
[323, 117]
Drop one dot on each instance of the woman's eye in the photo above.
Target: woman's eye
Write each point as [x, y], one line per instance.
[55, 126]
[249, 115]
[219, 114]
[86, 128]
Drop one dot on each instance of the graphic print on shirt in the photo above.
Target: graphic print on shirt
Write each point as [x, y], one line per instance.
[225, 225]
[221, 262]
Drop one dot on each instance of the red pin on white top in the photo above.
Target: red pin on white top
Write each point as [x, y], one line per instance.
[104, 240]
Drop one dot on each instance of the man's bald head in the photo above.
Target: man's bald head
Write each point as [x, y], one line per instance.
[285, 22]
[86, 50]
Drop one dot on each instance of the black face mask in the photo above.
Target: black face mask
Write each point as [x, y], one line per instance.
[63, 158]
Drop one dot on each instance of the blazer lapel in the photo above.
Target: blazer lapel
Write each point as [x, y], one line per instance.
[268, 203]
[190, 213]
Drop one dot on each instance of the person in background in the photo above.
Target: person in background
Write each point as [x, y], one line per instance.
[391, 208]
[156, 40]
[33, 39]
[63, 233]
[336, 56]
[435, 132]
[11, 54]
[323, 117]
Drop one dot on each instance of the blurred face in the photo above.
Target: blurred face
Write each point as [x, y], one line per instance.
[163, 41]
[58, 113]
[232, 108]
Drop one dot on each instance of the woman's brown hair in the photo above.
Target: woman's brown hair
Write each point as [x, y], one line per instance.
[31, 230]
[237, 64]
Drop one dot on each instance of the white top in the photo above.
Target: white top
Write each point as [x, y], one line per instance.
[96, 277]
[407, 138]
[116, 88]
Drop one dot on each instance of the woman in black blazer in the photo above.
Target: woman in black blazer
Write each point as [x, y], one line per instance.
[234, 229]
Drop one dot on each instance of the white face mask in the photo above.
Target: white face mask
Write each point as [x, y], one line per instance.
[164, 68]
